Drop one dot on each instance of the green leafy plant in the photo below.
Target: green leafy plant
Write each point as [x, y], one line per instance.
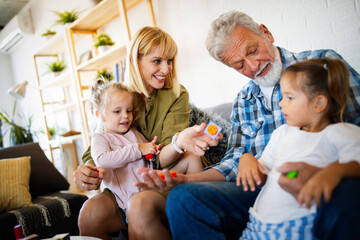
[67, 17]
[48, 32]
[105, 75]
[52, 131]
[56, 66]
[103, 39]
[18, 134]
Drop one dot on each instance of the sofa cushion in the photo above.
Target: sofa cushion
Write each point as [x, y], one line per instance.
[14, 183]
[44, 177]
[49, 215]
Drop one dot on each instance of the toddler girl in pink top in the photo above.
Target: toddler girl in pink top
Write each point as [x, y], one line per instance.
[118, 148]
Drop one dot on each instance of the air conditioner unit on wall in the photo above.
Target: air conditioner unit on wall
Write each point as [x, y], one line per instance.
[15, 31]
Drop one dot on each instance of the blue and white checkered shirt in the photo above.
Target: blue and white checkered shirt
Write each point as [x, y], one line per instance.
[253, 123]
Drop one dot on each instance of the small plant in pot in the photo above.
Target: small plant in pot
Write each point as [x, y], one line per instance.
[56, 67]
[102, 41]
[67, 16]
[104, 75]
[52, 132]
[48, 34]
[17, 133]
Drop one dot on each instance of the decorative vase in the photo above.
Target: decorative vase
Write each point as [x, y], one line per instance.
[55, 74]
[103, 48]
[49, 36]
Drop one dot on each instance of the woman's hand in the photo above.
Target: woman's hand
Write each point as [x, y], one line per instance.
[153, 181]
[86, 178]
[250, 172]
[194, 140]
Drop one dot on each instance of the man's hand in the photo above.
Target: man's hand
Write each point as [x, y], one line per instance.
[294, 185]
[194, 140]
[86, 178]
[153, 181]
[323, 183]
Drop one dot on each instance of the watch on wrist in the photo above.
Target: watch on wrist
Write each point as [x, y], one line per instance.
[173, 143]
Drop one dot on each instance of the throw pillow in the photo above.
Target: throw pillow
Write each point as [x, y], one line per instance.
[14, 183]
[44, 177]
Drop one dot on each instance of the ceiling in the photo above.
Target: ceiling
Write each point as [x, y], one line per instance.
[8, 9]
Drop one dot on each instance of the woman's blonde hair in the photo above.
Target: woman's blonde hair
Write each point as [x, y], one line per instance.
[100, 96]
[142, 43]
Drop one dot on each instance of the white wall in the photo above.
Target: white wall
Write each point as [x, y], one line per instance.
[6, 81]
[296, 25]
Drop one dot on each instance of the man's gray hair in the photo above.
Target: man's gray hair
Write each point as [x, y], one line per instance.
[223, 26]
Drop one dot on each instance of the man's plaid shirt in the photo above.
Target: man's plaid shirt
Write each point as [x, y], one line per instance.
[253, 123]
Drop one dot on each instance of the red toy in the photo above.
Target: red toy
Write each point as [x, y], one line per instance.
[172, 174]
[149, 157]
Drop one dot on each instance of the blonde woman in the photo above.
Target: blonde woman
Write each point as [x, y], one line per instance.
[164, 113]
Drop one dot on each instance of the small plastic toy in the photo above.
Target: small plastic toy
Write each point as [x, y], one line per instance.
[172, 174]
[292, 174]
[149, 157]
[212, 130]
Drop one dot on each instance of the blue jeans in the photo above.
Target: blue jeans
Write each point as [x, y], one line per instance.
[219, 210]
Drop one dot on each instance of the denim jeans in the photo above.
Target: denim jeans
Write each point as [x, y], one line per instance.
[208, 210]
[219, 210]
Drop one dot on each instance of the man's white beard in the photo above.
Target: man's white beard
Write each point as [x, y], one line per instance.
[273, 76]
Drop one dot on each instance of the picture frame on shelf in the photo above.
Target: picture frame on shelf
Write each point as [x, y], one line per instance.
[85, 56]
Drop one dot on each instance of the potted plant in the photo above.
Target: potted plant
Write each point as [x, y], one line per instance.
[52, 132]
[56, 67]
[105, 75]
[48, 34]
[67, 17]
[102, 41]
[18, 134]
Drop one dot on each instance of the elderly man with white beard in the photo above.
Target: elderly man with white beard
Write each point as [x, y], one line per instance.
[210, 205]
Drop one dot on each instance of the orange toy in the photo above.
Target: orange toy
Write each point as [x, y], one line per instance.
[172, 174]
[212, 130]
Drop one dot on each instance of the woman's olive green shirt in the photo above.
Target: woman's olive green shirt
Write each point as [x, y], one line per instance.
[165, 116]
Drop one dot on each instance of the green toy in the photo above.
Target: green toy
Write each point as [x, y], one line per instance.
[292, 174]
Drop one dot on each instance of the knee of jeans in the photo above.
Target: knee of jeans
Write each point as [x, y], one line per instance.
[179, 196]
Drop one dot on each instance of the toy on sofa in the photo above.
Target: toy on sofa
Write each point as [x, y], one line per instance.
[212, 130]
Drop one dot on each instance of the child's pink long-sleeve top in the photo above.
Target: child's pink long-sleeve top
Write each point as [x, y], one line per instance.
[120, 156]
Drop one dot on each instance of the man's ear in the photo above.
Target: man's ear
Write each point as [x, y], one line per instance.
[320, 103]
[267, 33]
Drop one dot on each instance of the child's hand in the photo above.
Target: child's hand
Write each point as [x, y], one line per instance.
[249, 173]
[322, 183]
[149, 147]
[158, 148]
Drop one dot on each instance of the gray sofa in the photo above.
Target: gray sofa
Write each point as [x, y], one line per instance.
[54, 211]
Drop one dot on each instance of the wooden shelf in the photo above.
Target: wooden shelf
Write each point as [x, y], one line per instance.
[63, 107]
[64, 140]
[113, 55]
[53, 46]
[63, 80]
[101, 14]
[65, 45]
